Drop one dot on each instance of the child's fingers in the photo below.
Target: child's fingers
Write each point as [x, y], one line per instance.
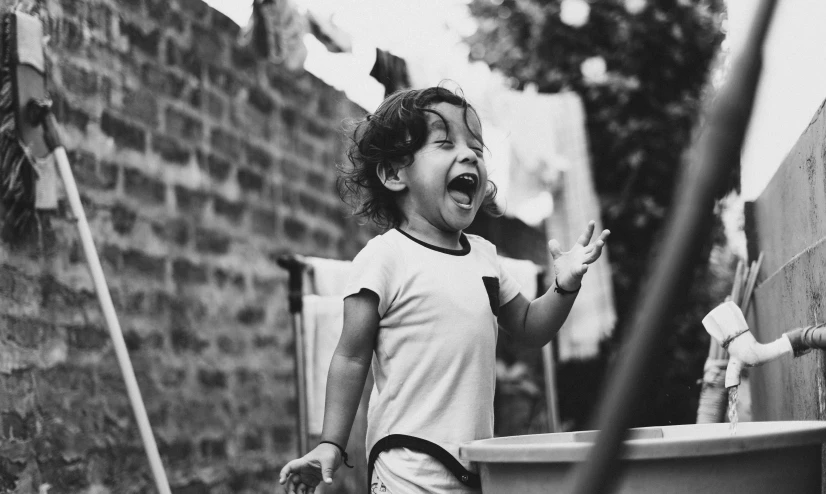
[596, 251]
[290, 471]
[294, 484]
[604, 236]
[282, 477]
[327, 471]
[587, 234]
[555, 248]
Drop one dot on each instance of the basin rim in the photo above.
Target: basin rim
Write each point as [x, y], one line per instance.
[711, 440]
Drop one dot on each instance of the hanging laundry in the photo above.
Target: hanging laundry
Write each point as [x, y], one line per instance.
[526, 274]
[331, 36]
[323, 318]
[549, 156]
[326, 276]
[391, 71]
[276, 33]
[593, 316]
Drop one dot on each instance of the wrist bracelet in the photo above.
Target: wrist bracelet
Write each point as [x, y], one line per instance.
[343, 453]
[558, 289]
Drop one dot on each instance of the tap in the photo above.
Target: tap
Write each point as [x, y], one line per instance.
[726, 324]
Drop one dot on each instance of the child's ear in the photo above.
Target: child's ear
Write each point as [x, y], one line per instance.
[390, 177]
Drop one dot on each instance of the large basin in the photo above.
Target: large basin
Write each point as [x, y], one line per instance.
[762, 458]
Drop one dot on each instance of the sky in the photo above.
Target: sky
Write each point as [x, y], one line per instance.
[790, 91]
[791, 86]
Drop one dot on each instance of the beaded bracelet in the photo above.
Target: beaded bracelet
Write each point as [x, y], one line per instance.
[344, 456]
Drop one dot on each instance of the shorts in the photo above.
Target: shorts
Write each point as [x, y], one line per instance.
[404, 471]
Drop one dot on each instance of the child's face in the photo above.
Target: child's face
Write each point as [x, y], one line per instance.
[447, 181]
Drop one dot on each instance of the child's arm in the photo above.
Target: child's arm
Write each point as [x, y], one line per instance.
[345, 383]
[535, 323]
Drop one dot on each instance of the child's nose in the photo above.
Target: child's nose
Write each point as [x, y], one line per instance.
[467, 155]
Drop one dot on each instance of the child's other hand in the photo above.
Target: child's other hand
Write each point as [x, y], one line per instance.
[302, 475]
[571, 266]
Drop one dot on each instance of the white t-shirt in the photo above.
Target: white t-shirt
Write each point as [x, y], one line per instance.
[435, 357]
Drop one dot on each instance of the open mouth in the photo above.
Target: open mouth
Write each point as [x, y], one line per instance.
[462, 188]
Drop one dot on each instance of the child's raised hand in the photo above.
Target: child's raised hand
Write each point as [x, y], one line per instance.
[571, 266]
[302, 475]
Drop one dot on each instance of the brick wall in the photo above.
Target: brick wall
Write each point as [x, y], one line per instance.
[198, 165]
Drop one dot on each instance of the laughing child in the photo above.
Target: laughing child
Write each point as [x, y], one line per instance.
[425, 300]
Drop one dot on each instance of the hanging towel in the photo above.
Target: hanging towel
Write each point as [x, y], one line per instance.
[525, 273]
[593, 316]
[326, 276]
[323, 319]
[550, 154]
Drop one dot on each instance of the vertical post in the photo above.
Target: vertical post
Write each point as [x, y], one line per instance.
[295, 267]
[551, 399]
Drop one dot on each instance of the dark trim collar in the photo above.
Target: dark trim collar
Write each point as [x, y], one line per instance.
[463, 241]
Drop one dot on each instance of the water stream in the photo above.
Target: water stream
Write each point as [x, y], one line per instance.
[732, 410]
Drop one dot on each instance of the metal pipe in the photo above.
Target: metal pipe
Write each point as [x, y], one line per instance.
[295, 266]
[806, 339]
[716, 150]
[301, 385]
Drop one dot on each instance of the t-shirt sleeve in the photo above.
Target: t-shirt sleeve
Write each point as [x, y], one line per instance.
[375, 268]
[508, 286]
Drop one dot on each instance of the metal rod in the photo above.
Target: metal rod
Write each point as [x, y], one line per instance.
[295, 266]
[716, 150]
[301, 385]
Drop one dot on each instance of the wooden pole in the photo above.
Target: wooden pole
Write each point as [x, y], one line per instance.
[111, 319]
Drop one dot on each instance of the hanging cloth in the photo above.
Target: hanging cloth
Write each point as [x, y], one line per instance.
[276, 33]
[390, 71]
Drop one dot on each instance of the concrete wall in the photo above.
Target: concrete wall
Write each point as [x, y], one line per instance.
[788, 224]
[198, 165]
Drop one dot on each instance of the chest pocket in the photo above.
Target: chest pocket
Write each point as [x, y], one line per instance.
[492, 287]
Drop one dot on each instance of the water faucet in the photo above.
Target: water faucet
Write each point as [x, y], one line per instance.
[726, 324]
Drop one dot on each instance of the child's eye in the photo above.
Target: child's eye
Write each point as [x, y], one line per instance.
[444, 142]
[478, 151]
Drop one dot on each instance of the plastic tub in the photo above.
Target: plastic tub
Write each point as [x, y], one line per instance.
[763, 457]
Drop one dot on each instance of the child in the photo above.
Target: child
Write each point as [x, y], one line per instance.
[425, 300]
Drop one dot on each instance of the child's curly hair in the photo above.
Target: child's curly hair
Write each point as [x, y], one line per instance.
[392, 134]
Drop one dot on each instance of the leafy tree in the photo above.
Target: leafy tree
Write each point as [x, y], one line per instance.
[640, 115]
